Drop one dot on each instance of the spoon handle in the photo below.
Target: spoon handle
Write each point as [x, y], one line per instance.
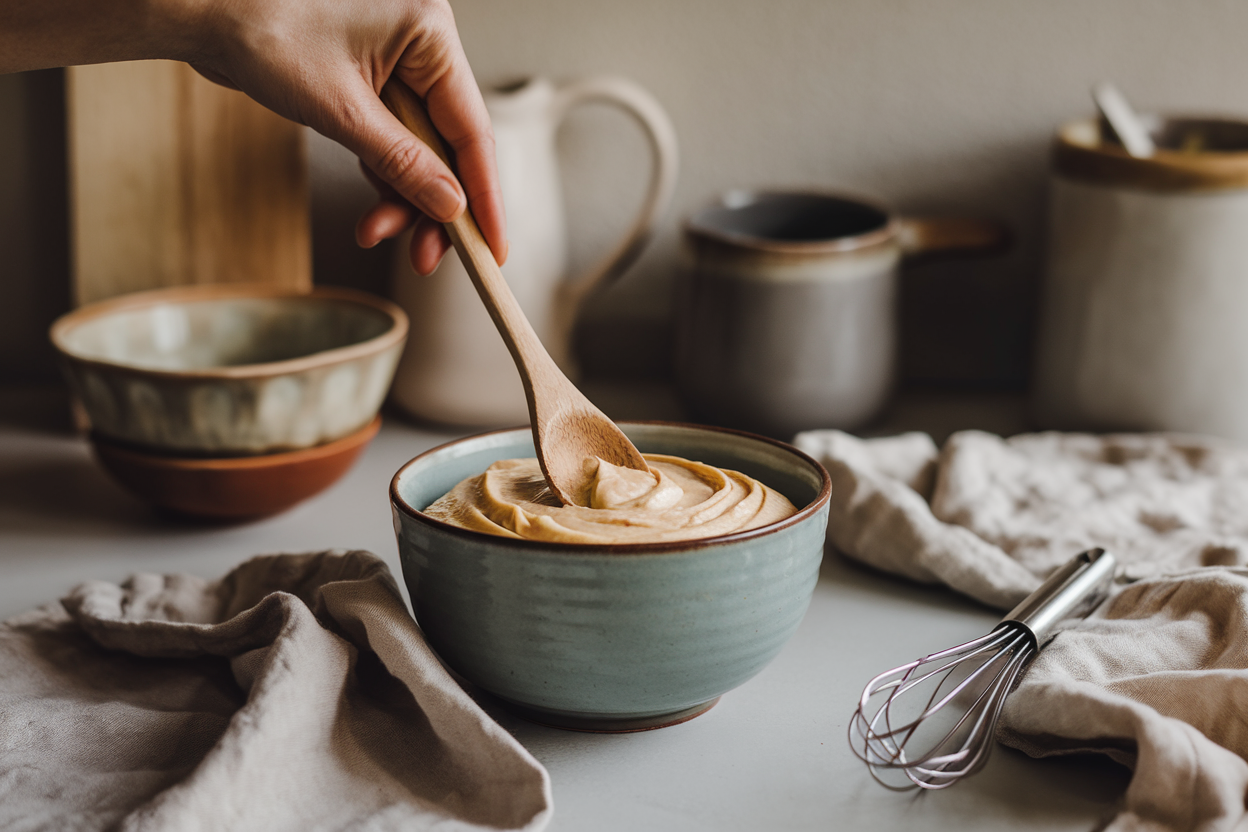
[568, 430]
[525, 346]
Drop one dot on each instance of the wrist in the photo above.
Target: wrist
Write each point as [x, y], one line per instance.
[183, 30]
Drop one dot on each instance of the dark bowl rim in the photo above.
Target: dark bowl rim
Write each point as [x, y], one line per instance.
[695, 227]
[805, 513]
[394, 334]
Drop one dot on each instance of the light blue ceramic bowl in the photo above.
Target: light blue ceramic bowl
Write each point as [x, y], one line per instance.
[611, 638]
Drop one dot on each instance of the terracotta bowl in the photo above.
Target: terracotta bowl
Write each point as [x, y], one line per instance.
[232, 488]
[604, 637]
[230, 370]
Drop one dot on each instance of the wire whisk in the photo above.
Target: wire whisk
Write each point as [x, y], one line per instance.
[931, 722]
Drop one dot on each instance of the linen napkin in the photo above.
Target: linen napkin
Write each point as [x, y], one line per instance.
[1158, 677]
[295, 693]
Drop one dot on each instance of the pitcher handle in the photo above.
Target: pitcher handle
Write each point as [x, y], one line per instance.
[635, 100]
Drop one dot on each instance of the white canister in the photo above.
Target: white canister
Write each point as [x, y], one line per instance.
[1144, 314]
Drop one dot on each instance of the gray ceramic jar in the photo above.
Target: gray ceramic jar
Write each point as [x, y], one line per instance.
[611, 638]
[786, 312]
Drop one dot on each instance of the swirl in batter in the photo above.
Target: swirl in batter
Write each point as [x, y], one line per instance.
[678, 500]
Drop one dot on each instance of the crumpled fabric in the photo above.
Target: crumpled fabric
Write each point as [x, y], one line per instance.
[295, 693]
[1157, 678]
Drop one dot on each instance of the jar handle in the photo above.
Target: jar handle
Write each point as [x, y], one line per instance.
[940, 236]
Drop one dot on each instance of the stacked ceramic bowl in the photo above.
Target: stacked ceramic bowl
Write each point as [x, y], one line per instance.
[231, 401]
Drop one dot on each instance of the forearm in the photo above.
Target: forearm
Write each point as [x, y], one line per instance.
[36, 34]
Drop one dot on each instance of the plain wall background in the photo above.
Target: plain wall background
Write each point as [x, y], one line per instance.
[935, 106]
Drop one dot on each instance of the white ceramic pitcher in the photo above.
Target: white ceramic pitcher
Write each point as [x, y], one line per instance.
[455, 368]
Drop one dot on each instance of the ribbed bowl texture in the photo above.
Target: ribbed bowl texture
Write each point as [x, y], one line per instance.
[605, 634]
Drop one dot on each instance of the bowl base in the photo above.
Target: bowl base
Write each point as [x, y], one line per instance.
[231, 489]
[606, 725]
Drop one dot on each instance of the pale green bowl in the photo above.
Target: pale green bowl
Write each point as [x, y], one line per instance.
[611, 638]
[231, 369]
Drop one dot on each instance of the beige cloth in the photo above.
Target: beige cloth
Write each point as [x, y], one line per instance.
[1158, 677]
[990, 516]
[296, 693]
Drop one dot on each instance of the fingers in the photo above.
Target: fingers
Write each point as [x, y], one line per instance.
[456, 108]
[435, 67]
[388, 218]
[429, 245]
[391, 216]
[384, 220]
[398, 158]
[409, 171]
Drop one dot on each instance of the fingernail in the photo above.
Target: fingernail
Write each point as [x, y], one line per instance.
[441, 200]
[359, 237]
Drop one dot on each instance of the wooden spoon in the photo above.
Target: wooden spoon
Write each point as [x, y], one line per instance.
[1123, 120]
[568, 430]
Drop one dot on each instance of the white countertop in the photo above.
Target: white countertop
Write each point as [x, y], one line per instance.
[772, 755]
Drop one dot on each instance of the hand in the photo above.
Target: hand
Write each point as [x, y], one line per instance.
[318, 62]
[323, 62]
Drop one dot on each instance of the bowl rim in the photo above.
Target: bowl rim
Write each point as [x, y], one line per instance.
[395, 334]
[803, 514]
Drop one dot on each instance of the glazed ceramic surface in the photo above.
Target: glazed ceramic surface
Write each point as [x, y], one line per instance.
[456, 369]
[231, 369]
[232, 488]
[1144, 320]
[611, 637]
[786, 314]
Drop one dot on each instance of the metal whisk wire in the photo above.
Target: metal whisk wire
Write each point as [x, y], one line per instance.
[880, 740]
[953, 727]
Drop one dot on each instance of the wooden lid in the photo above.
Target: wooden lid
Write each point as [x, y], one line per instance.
[1193, 154]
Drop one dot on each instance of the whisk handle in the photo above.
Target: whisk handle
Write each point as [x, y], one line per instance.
[1071, 592]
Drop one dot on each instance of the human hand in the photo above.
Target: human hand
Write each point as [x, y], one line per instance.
[323, 62]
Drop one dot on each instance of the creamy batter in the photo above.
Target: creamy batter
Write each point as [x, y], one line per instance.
[677, 500]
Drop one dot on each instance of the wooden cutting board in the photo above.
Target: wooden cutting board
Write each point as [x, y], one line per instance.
[175, 180]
